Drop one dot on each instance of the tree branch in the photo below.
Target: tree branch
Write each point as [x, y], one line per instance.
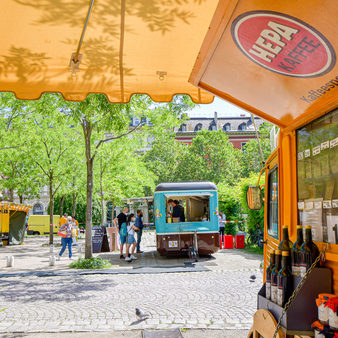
[12, 147]
[57, 188]
[119, 136]
[42, 168]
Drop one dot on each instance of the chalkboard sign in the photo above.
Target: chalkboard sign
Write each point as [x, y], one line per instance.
[99, 239]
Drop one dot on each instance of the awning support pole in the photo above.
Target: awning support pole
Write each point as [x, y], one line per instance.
[77, 53]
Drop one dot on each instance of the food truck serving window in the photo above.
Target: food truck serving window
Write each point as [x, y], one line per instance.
[273, 202]
[188, 208]
[317, 169]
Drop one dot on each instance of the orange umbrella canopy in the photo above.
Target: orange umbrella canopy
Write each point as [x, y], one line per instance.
[129, 46]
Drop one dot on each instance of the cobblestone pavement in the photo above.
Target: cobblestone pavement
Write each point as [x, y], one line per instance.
[220, 299]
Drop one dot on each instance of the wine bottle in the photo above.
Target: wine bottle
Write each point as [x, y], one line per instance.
[285, 244]
[309, 252]
[269, 275]
[296, 255]
[274, 278]
[284, 285]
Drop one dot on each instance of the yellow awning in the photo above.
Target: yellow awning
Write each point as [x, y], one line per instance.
[135, 46]
[14, 206]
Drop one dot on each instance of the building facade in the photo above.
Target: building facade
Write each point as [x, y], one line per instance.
[240, 130]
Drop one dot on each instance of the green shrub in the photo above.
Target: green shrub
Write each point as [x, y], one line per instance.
[230, 229]
[254, 217]
[91, 263]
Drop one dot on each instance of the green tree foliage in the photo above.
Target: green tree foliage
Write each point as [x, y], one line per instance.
[164, 156]
[228, 201]
[255, 218]
[52, 145]
[252, 160]
[80, 214]
[102, 122]
[120, 172]
[232, 201]
[211, 157]
[17, 170]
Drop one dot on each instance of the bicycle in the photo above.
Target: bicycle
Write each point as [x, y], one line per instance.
[256, 237]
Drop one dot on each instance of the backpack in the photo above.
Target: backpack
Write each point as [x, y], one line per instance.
[124, 230]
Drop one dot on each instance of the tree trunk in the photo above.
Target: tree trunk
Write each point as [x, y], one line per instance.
[89, 211]
[112, 211]
[102, 210]
[51, 209]
[101, 193]
[87, 128]
[61, 205]
[21, 199]
[74, 205]
[11, 195]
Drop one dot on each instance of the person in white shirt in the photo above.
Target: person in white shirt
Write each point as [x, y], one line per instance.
[131, 228]
[221, 222]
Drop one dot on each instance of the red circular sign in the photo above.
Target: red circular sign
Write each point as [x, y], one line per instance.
[283, 44]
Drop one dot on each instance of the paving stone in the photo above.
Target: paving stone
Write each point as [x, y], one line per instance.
[220, 298]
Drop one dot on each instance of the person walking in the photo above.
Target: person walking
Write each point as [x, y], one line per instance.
[120, 219]
[131, 228]
[139, 225]
[66, 241]
[75, 230]
[221, 224]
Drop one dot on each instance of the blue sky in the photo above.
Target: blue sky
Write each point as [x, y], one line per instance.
[222, 107]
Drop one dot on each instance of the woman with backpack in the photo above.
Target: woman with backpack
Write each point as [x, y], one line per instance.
[131, 228]
[68, 232]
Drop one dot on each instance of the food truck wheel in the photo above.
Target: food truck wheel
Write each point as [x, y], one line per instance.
[264, 325]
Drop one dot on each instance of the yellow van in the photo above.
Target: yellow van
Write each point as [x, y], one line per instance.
[39, 224]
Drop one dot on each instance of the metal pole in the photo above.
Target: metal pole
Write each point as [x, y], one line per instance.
[258, 139]
[77, 53]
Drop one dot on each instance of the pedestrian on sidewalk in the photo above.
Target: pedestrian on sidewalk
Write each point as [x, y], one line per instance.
[131, 228]
[75, 225]
[66, 241]
[121, 218]
[139, 225]
[221, 223]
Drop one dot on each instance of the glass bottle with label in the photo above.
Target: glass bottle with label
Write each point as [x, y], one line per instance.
[284, 285]
[309, 252]
[274, 277]
[286, 244]
[296, 255]
[269, 275]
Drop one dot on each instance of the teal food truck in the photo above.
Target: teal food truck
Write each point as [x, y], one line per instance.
[186, 218]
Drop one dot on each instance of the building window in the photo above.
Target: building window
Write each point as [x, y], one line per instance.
[227, 127]
[242, 126]
[183, 127]
[242, 145]
[198, 127]
[213, 126]
[38, 209]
